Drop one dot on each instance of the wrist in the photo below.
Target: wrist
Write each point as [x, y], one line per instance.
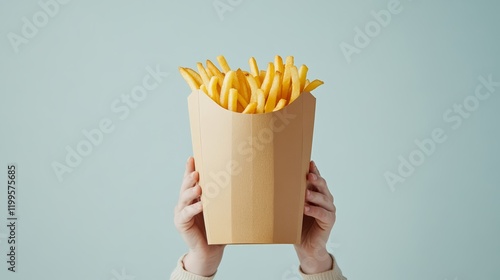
[201, 263]
[315, 262]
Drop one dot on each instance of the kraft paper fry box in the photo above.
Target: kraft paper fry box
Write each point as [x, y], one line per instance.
[252, 169]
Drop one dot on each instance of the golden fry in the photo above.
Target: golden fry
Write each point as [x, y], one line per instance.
[278, 64]
[209, 72]
[254, 69]
[268, 80]
[243, 89]
[203, 74]
[305, 85]
[212, 89]
[281, 104]
[239, 107]
[250, 109]
[312, 85]
[273, 92]
[195, 75]
[226, 86]
[233, 100]
[242, 101]
[258, 81]
[294, 73]
[285, 89]
[223, 64]
[261, 101]
[253, 87]
[262, 75]
[189, 79]
[215, 71]
[236, 81]
[204, 89]
[302, 75]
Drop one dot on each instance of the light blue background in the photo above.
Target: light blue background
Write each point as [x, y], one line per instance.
[114, 213]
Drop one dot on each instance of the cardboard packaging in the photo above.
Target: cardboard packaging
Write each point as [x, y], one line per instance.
[252, 169]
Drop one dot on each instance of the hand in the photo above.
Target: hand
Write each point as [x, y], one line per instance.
[202, 259]
[319, 217]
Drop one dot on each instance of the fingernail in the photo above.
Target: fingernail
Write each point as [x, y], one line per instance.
[307, 208]
[308, 193]
[314, 177]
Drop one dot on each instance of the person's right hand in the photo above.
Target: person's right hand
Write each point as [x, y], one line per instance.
[202, 259]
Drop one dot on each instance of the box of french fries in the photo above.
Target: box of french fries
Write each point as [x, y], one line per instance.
[252, 137]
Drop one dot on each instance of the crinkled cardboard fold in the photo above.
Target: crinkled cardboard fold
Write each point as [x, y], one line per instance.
[252, 169]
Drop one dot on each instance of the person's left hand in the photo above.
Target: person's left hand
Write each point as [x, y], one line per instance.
[319, 217]
[202, 259]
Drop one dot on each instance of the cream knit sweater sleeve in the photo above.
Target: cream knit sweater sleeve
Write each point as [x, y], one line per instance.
[334, 274]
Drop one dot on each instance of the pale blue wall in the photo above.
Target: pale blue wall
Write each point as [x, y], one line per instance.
[115, 210]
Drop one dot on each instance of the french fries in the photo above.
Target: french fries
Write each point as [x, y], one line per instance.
[294, 73]
[278, 64]
[273, 93]
[312, 85]
[223, 63]
[285, 90]
[302, 76]
[252, 83]
[250, 109]
[233, 100]
[212, 89]
[215, 71]
[203, 74]
[254, 68]
[189, 79]
[251, 92]
[261, 101]
[195, 75]
[281, 104]
[226, 87]
[243, 89]
[268, 79]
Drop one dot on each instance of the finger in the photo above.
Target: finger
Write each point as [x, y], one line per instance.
[189, 166]
[313, 168]
[188, 196]
[187, 213]
[320, 200]
[318, 183]
[189, 180]
[325, 218]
